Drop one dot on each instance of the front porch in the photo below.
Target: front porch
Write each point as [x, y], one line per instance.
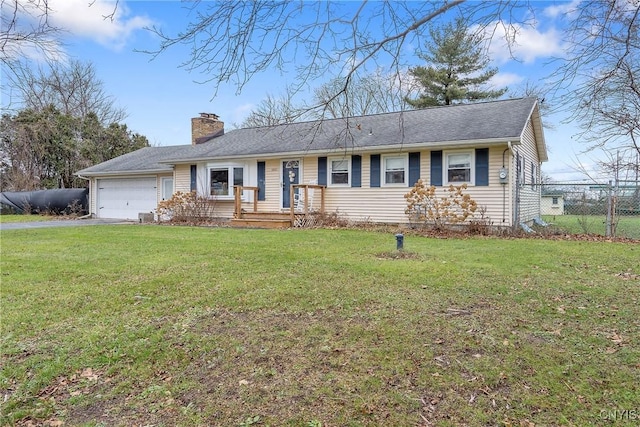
[303, 209]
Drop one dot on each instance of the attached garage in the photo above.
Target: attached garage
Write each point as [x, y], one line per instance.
[125, 198]
[131, 184]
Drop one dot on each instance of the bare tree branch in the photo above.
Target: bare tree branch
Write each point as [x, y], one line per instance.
[25, 31]
[231, 42]
[73, 88]
[600, 74]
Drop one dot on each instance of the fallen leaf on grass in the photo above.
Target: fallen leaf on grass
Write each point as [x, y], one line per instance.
[615, 338]
[457, 311]
[89, 374]
[521, 423]
[628, 275]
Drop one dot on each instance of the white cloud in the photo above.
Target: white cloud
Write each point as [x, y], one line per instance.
[241, 112]
[501, 80]
[103, 21]
[527, 44]
[562, 9]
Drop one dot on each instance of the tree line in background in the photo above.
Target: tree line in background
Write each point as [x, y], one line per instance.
[42, 149]
[66, 123]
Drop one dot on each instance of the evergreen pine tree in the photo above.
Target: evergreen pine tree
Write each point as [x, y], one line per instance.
[457, 70]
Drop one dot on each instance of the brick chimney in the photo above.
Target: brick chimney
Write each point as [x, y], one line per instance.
[205, 127]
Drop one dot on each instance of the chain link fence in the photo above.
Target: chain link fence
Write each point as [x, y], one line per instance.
[610, 209]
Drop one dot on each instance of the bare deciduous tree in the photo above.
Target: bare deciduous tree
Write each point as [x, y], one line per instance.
[273, 111]
[26, 31]
[231, 42]
[73, 88]
[604, 63]
[619, 165]
[370, 94]
[539, 91]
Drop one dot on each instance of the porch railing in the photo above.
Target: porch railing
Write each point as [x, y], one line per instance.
[303, 189]
[305, 193]
[237, 191]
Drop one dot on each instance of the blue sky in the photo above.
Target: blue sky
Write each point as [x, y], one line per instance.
[160, 97]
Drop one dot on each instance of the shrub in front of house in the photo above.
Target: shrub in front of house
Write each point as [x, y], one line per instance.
[186, 207]
[439, 210]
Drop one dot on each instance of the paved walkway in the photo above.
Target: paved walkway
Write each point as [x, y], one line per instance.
[61, 223]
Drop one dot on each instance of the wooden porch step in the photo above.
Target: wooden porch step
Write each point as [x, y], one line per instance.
[266, 215]
[263, 220]
[260, 223]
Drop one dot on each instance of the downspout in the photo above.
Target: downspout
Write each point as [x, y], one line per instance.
[89, 215]
[504, 186]
[516, 200]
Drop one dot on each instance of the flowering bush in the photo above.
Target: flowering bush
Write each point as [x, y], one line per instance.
[426, 207]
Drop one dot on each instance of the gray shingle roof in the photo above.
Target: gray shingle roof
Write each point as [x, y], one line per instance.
[467, 122]
[139, 161]
[496, 120]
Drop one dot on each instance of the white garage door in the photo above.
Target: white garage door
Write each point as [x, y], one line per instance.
[125, 198]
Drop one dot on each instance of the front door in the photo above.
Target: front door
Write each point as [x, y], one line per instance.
[290, 175]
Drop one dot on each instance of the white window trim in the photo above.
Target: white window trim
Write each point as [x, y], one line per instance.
[229, 167]
[331, 160]
[383, 170]
[163, 180]
[445, 167]
[534, 175]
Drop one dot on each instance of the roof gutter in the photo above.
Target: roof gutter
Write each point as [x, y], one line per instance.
[122, 172]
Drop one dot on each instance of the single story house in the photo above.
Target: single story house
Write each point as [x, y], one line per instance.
[362, 166]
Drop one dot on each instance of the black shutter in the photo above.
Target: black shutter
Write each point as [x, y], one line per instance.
[482, 166]
[436, 168]
[262, 188]
[414, 168]
[322, 171]
[375, 170]
[194, 178]
[356, 171]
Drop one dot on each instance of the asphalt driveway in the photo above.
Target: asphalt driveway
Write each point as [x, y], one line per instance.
[62, 223]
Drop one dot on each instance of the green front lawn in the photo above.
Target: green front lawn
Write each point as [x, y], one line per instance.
[160, 325]
[627, 226]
